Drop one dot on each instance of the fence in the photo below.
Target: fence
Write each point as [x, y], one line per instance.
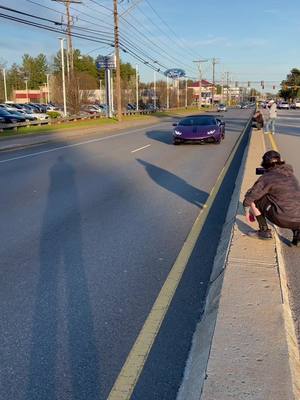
[58, 121]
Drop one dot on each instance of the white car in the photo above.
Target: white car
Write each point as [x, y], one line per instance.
[297, 103]
[40, 116]
[284, 105]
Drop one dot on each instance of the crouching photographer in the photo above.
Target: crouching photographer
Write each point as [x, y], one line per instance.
[275, 196]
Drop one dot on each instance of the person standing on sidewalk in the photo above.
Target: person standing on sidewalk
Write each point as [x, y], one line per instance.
[274, 196]
[272, 117]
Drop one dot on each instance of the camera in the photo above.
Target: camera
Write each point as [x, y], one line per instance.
[260, 171]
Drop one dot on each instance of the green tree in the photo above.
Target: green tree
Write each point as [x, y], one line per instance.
[35, 70]
[14, 77]
[290, 87]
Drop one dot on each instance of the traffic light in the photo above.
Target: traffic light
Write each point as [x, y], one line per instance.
[262, 83]
[248, 83]
[274, 87]
[236, 84]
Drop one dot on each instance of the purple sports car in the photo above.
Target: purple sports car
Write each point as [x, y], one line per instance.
[199, 128]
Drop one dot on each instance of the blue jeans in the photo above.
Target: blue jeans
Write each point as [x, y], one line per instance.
[270, 126]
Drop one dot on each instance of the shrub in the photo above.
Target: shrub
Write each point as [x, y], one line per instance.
[54, 114]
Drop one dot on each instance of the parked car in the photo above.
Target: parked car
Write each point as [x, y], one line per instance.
[221, 107]
[92, 110]
[7, 117]
[40, 115]
[283, 105]
[297, 103]
[200, 129]
[21, 113]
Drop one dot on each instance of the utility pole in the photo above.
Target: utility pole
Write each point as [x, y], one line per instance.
[5, 87]
[70, 54]
[63, 74]
[154, 91]
[168, 94]
[48, 88]
[227, 92]
[186, 93]
[137, 87]
[26, 85]
[117, 52]
[178, 92]
[100, 91]
[198, 62]
[214, 62]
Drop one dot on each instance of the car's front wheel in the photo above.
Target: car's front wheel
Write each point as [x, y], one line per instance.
[176, 142]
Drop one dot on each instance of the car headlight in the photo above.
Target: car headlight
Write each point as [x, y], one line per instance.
[177, 132]
[211, 132]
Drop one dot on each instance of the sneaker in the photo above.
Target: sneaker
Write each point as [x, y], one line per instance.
[296, 238]
[263, 235]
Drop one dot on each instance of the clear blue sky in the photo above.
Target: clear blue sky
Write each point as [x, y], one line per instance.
[253, 40]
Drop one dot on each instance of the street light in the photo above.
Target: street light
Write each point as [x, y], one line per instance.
[5, 87]
[154, 90]
[26, 85]
[48, 88]
[63, 73]
[198, 62]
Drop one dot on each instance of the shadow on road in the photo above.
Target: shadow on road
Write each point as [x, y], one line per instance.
[161, 136]
[174, 184]
[63, 337]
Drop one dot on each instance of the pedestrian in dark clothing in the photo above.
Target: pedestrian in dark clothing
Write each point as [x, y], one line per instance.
[274, 196]
[258, 120]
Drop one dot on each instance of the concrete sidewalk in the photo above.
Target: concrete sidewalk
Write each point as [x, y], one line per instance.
[253, 353]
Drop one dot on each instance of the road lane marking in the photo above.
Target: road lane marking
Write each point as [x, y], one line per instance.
[273, 143]
[77, 144]
[141, 148]
[288, 125]
[289, 323]
[134, 364]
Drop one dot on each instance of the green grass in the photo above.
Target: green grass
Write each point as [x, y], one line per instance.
[57, 127]
[93, 122]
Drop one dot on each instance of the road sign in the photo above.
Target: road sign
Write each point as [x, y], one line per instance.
[106, 62]
[174, 73]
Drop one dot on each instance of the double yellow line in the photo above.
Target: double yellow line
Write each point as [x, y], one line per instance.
[130, 373]
[273, 143]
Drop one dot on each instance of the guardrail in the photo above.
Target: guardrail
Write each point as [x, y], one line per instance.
[73, 118]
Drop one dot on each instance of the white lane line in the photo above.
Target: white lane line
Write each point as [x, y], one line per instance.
[77, 144]
[141, 148]
[288, 125]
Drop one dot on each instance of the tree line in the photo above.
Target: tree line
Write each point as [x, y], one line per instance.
[290, 87]
[35, 70]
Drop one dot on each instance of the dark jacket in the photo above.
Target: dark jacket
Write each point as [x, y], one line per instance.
[281, 189]
[258, 117]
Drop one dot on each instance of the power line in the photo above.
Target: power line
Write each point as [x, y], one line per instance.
[169, 27]
[80, 36]
[165, 53]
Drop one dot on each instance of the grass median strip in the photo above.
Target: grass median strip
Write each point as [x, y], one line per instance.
[92, 123]
[130, 373]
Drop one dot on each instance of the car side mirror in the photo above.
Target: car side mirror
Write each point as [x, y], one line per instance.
[174, 124]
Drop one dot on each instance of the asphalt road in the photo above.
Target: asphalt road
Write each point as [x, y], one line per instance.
[288, 141]
[89, 231]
